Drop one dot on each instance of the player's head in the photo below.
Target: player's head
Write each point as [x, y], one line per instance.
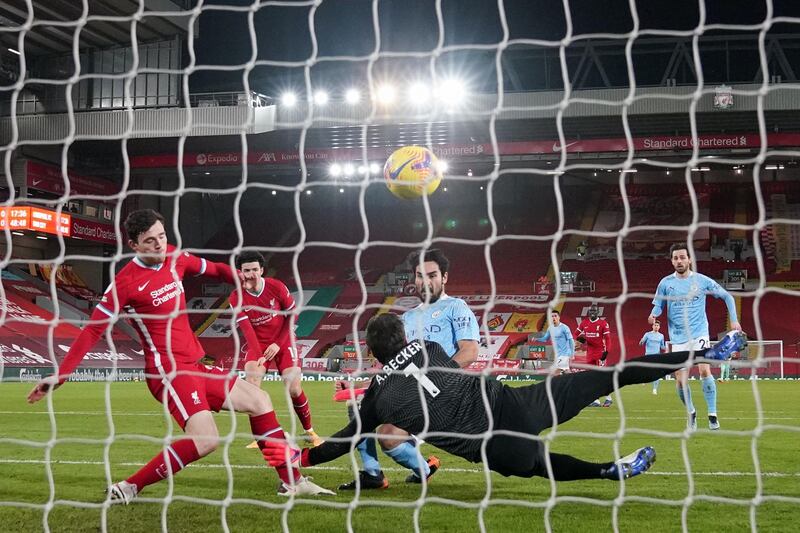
[681, 260]
[147, 236]
[656, 326]
[251, 264]
[386, 336]
[431, 277]
[594, 312]
[555, 316]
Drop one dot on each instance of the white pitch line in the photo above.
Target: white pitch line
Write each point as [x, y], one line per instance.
[343, 415]
[388, 469]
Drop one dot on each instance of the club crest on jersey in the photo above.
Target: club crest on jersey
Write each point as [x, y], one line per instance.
[436, 314]
[271, 302]
[196, 398]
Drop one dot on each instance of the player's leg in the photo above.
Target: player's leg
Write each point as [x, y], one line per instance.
[685, 396]
[400, 446]
[594, 359]
[525, 456]
[185, 398]
[571, 393]
[292, 378]
[710, 394]
[254, 373]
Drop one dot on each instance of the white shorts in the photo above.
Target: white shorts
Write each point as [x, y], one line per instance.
[562, 363]
[700, 343]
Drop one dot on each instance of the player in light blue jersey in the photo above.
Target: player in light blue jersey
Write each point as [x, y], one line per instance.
[441, 319]
[684, 292]
[653, 342]
[563, 343]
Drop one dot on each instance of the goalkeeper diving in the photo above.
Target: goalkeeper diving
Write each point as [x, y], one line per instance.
[455, 415]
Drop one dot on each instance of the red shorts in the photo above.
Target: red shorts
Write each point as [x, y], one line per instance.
[283, 359]
[593, 358]
[193, 389]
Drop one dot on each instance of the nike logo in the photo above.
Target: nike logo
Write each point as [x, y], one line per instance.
[141, 287]
[34, 183]
[557, 148]
[397, 172]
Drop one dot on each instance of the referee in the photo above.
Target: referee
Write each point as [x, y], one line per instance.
[457, 404]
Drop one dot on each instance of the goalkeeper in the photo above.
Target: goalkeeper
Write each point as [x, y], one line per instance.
[457, 406]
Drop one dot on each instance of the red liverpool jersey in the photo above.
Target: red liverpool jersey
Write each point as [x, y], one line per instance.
[263, 311]
[597, 334]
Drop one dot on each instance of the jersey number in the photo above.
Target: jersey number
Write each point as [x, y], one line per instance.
[427, 384]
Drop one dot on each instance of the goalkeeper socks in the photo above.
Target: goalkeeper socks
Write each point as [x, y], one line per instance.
[303, 411]
[406, 454]
[180, 454]
[266, 426]
[568, 468]
[687, 399]
[710, 392]
[369, 456]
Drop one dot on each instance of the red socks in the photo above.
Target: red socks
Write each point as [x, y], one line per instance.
[266, 427]
[180, 454]
[303, 411]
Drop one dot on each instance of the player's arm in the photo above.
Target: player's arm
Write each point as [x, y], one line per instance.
[544, 337]
[643, 340]
[606, 337]
[663, 346]
[718, 292]
[465, 328]
[101, 318]
[283, 338]
[579, 334]
[197, 266]
[570, 342]
[658, 303]
[337, 445]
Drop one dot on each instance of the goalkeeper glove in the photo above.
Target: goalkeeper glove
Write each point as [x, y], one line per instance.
[280, 453]
[603, 357]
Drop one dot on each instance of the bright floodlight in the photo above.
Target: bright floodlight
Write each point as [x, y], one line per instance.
[385, 94]
[335, 170]
[320, 98]
[418, 94]
[374, 168]
[352, 96]
[348, 169]
[362, 169]
[452, 91]
[443, 166]
[288, 99]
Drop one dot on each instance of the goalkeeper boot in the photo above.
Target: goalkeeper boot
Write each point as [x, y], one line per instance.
[303, 487]
[631, 465]
[314, 439]
[733, 341]
[433, 466]
[367, 481]
[122, 492]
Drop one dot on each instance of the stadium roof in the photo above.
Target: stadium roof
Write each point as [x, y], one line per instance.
[108, 24]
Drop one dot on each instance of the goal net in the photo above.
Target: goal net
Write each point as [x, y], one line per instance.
[577, 141]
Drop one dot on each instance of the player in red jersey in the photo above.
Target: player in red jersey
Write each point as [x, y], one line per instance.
[266, 328]
[149, 290]
[596, 335]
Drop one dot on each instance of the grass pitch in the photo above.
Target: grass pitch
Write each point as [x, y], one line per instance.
[710, 481]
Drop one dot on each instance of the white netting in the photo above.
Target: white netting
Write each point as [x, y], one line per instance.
[106, 88]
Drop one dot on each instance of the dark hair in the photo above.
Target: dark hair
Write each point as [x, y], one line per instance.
[679, 246]
[249, 257]
[386, 336]
[140, 221]
[656, 323]
[555, 311]
[435, 255]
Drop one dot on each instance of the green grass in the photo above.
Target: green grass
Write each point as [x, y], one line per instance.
[458, 499]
